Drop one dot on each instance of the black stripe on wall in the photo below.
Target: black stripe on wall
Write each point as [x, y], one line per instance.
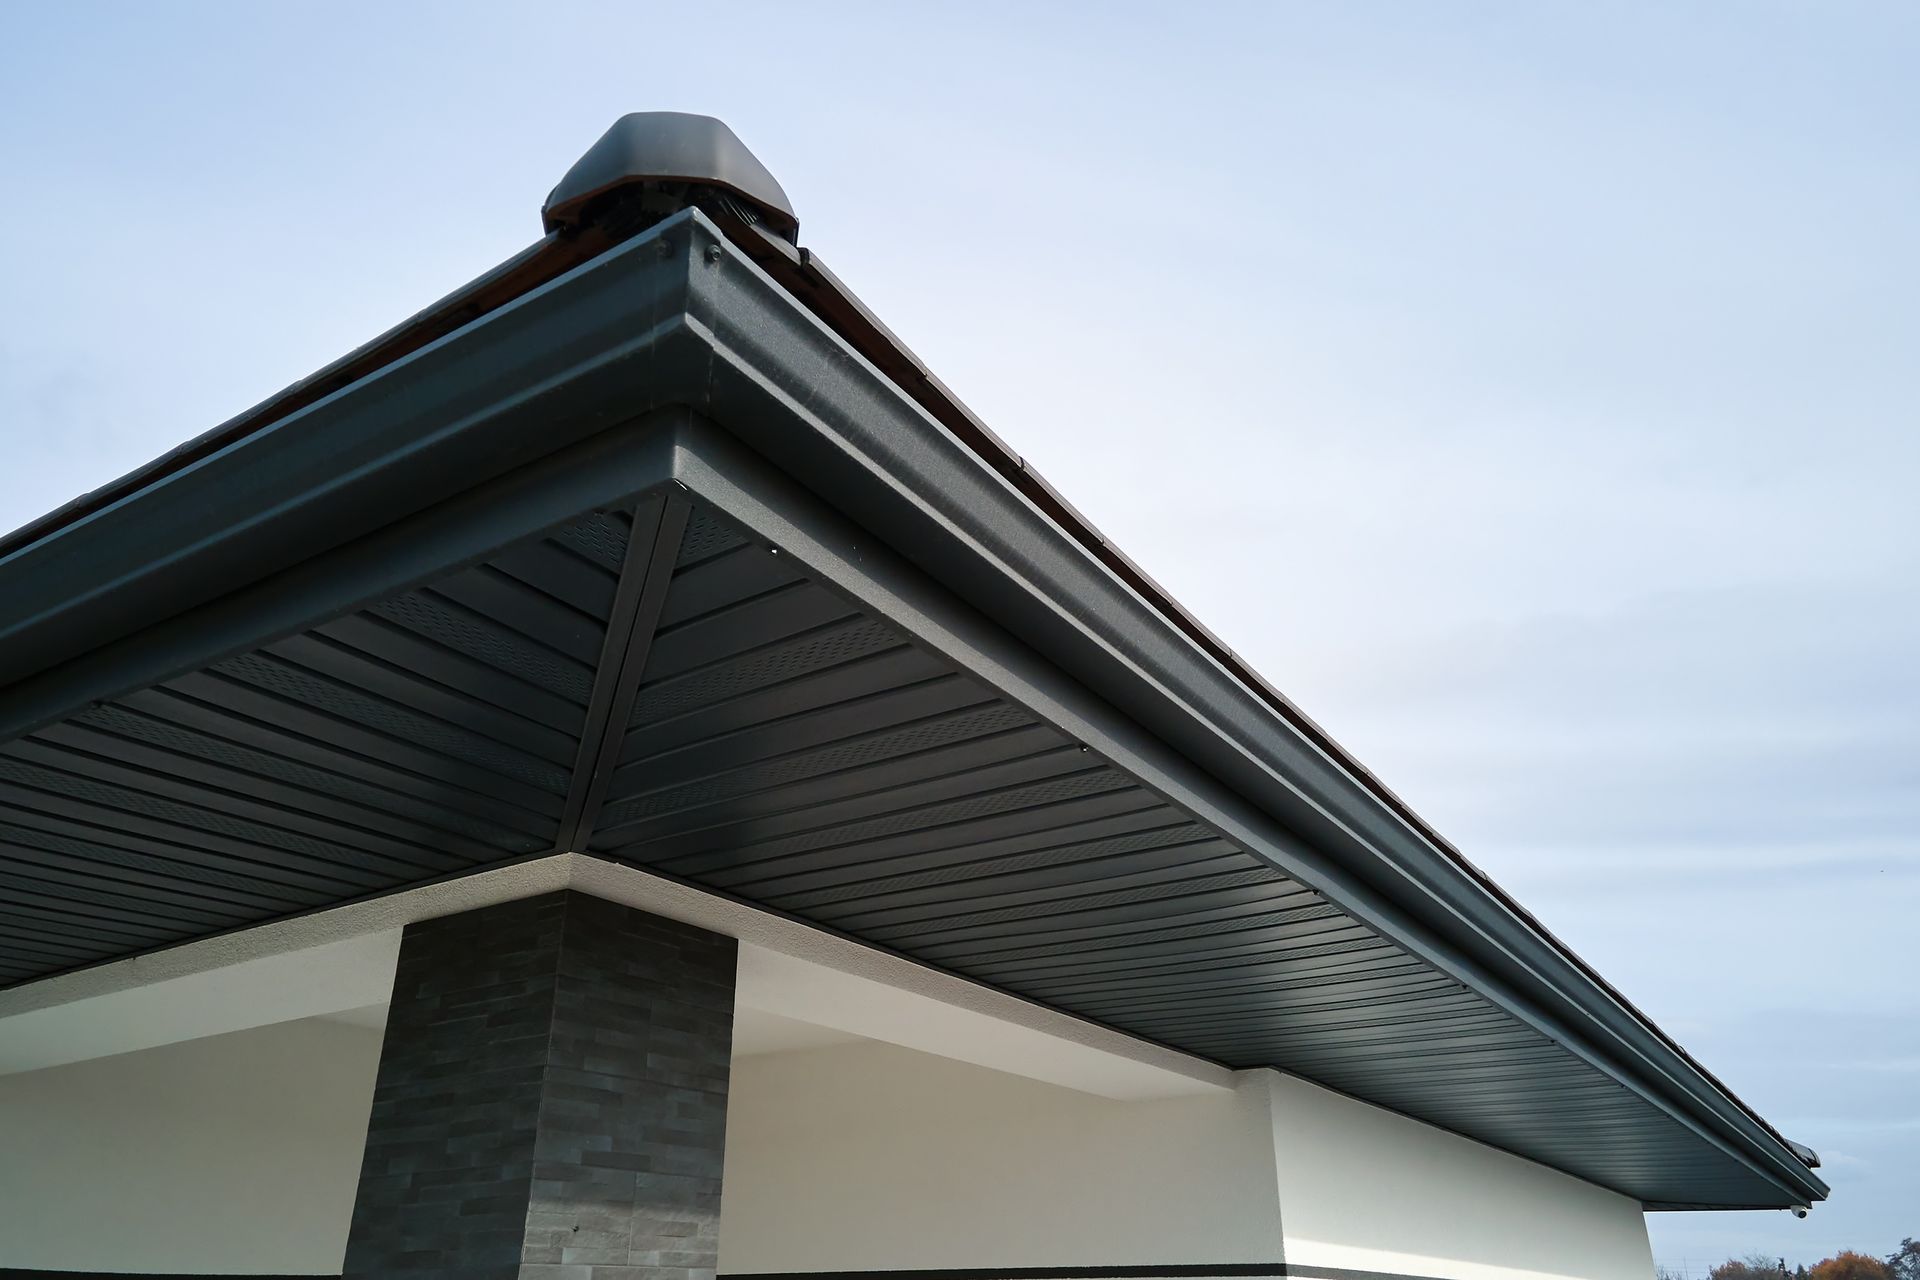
[1294, 1271]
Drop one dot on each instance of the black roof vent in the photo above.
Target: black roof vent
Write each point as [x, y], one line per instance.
[655, 163]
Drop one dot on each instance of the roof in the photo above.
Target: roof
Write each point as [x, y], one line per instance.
[598, 554]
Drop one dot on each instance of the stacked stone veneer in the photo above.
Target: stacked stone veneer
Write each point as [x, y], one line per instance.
[551, 1099]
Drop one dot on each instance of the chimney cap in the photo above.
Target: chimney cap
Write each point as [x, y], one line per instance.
[669, 146]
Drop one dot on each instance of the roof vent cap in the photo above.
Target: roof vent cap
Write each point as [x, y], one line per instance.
[666, 161]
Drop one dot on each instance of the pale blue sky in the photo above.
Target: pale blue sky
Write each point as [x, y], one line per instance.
[1528, 389]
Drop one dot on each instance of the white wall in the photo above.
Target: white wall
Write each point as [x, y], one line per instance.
[871, 1156]
[1368, 1190]
[237, 1152]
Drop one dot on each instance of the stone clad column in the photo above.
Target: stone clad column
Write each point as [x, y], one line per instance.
[551, 1099]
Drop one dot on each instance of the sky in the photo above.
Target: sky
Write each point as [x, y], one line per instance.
[1529, 390]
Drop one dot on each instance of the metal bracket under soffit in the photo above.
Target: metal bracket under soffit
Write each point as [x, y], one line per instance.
[749, 491]
[659, 520]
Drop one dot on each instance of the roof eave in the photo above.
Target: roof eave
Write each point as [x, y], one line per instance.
[909, 476]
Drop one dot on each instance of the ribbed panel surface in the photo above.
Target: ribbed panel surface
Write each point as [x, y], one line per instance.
[794, 752]
[422, 736]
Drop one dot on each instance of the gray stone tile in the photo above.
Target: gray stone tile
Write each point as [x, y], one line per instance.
[551, 1098]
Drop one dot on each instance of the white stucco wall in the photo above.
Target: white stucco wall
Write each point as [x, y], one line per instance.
[871, 1156]
[233, 1153]
[1369, 1190]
